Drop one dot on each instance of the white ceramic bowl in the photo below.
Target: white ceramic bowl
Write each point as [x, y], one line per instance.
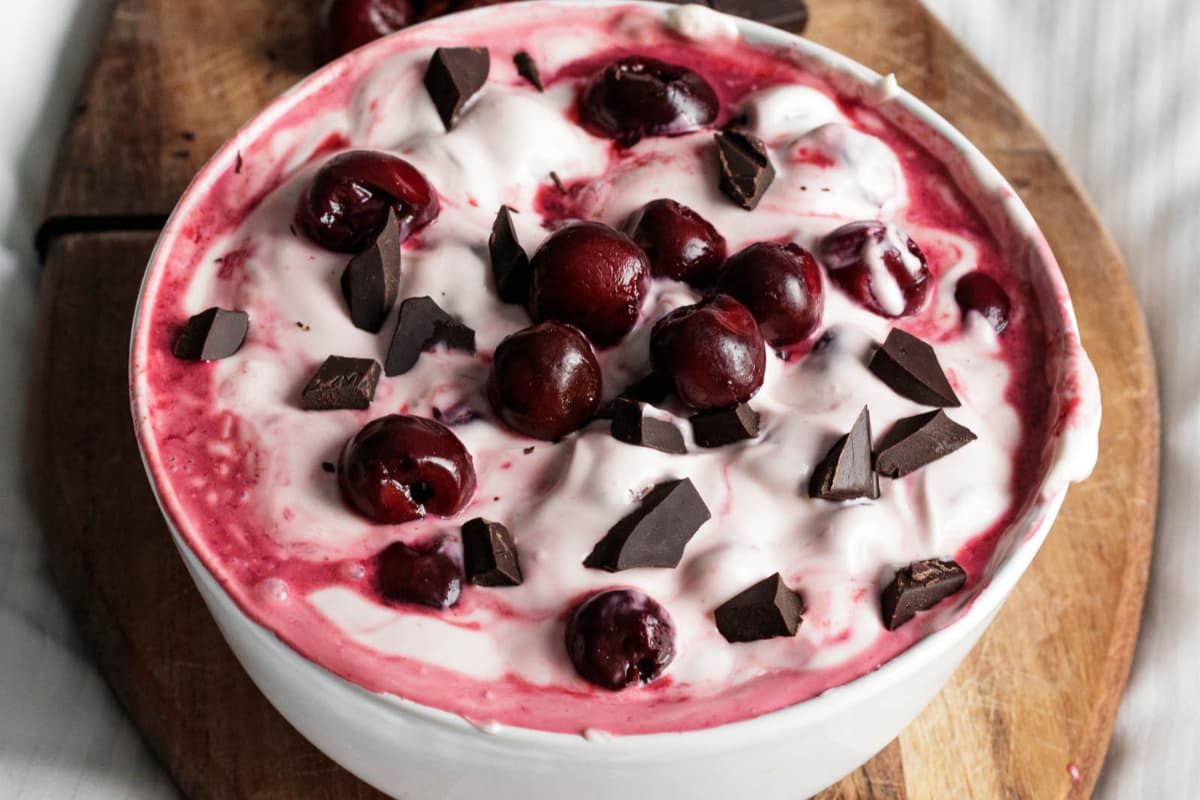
[420, 753]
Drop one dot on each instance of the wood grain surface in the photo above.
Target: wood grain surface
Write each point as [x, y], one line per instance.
[1027, 716]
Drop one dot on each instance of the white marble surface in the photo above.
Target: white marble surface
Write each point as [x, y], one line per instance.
[1113, 83]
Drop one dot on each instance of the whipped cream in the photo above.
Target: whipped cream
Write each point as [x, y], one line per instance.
[242, 463]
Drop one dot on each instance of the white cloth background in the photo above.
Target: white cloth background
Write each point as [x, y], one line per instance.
[1112, 82]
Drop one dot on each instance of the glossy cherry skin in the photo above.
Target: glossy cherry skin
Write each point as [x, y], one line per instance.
[977, 291]
[429, 574]
[713, 352]
[850, 250]
[399, 468]
[620, 638]
[781, 285]
[344, 25]
[590, 276]
[545, 381]
[347, 202]
[680, 244]
[636, 96]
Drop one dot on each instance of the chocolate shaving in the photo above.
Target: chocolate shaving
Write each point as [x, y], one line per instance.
[846, 472]
[919, 587]
[914, 442]
[632, 426]
[765, 610]
[510, 264]
[789, 14]
[746, 169]
[725, 425]
[212, 334]
[910, 367]
[421, 326]
[371, 281]
[341, 383]
[453, 77]
[527, 68]
[489, 554]
[656, 533]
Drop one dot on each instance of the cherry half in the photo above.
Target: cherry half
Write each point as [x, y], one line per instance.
[636, 96]
[680, 244]
[399, 468]
[344, 25]
[620, 638]
[346, 205]
[545, 381]
[590, 276]
[429, 574]
[879, 266]
[781, 285]
[713, 351]
[978, 291]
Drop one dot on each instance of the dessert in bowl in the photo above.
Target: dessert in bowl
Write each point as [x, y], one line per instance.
[561, 400]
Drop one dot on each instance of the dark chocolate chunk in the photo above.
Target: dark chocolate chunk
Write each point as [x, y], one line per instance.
[746, 169]
[454, 75]
[510, 263]
[919, 587]
[725, 425]
[421, 326]
[371, 280]
[527, 68]
[212, 334]
[341, 383]
[489, 554]
[765, 610]
[916, 441]
[789, 14]
[632, 426]
[652, 389]
[656, 533]
[328, 466]
[846, 472]
[910, 367]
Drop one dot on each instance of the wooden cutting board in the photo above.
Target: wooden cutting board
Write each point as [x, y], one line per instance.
[1029, 714]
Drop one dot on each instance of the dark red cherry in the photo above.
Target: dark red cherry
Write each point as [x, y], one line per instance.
[429, 574]
[879, 266]
[590, 276]
[636, 96]
[347, 202]
[620, 638]
[680, 243]
[400, 468]
[344, 25]
[977, 291]
[713, 351]
[545, 381]
[781, 285]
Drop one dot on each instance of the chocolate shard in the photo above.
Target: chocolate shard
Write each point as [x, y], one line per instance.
[489, 554]
[527, 68]
[910, 367]
[632, 426]
[421, 326]
[453, 77]
[656, 533]
[916, 441]
[342, 383]
[846, 472]
[765, 610]
[371, 280]
[791, 15]
[725, 425]
[212, 334]
[919, 587]
[746, 169]
[510, 263]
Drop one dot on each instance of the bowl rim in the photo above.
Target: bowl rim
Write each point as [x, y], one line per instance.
[1071, 443]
